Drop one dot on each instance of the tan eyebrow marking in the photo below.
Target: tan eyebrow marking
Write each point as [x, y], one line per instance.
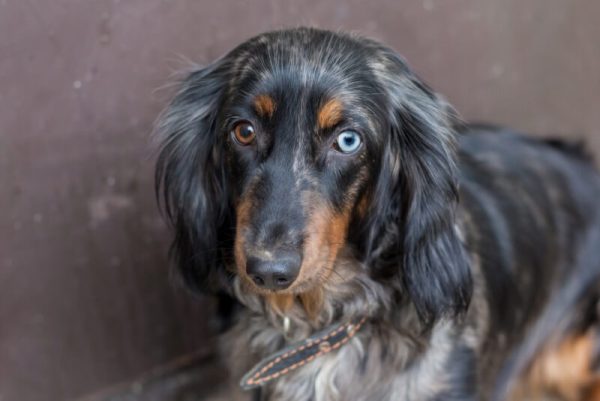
[330, 114]
[265, 105]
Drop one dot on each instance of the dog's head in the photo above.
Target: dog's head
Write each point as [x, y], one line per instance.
[300, 146]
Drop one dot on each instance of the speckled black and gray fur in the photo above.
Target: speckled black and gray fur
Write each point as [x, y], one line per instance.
[450, 237]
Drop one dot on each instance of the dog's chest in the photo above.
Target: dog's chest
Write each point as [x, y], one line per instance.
[374, 365]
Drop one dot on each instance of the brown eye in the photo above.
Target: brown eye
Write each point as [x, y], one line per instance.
[243, 133]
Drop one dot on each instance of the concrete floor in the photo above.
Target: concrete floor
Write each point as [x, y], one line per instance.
[196, 377]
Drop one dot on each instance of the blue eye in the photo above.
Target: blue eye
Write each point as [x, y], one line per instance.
[348, 142]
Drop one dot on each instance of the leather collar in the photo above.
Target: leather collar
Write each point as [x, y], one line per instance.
[299, 354]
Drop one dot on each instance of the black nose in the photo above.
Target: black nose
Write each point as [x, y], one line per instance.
[274, 274]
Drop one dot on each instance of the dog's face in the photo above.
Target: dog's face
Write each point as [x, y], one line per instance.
[300, 146]
[300, 139]
[301, 167]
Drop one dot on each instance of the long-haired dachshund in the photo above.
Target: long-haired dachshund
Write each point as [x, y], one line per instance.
[376, 247]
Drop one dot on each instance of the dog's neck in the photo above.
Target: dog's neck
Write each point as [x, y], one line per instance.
[391, 327]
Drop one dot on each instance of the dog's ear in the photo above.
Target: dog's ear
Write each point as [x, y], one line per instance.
[190, 177]
[412, 230]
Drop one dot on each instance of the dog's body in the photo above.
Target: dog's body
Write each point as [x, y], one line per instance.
[312, 177]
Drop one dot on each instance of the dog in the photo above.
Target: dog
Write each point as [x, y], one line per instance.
[364, 241]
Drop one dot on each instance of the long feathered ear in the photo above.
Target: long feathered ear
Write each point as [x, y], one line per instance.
[190, 178]
[413, 229]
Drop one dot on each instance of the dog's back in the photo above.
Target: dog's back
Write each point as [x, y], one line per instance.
[528, 205]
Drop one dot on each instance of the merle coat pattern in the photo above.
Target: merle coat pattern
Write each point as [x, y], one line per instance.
[451, 238]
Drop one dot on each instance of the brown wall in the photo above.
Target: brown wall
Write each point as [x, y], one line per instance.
[84, 296]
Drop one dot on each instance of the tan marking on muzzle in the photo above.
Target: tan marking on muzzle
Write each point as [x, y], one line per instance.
[326, 233]
[312, 301]
[281, 303]
[265, 105]
[330, 114]
[242, 222]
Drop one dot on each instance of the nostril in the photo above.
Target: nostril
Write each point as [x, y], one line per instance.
[282, 281]
[258, 280]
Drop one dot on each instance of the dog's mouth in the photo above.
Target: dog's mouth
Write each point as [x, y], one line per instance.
[308, 293]
[306, 290]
